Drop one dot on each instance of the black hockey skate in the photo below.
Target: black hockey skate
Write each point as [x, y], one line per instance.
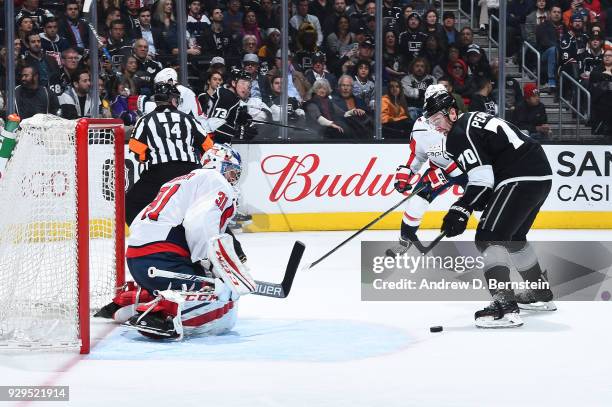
[536, 300]
[153, 325]
[503, 312]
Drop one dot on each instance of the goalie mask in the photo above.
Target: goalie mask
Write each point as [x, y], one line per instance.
[226, 160]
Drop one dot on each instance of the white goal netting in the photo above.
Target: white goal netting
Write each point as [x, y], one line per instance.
[39, 250]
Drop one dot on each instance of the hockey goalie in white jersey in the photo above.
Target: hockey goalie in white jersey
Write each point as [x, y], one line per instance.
[425, 144]
[178, 236]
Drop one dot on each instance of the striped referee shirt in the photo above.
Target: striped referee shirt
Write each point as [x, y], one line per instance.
[167, 134]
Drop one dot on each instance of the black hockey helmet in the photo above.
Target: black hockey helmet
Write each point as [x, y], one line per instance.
[164, 92]
[237, 74]
[441, 101]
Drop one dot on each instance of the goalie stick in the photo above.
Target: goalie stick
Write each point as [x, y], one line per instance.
[264, 288]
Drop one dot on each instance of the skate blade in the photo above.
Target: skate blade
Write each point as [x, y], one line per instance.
[510, 320]
[148, 330]
[545, 306]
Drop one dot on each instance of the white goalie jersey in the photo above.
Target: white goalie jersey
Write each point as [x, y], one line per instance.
[426, 143]
[187, 212]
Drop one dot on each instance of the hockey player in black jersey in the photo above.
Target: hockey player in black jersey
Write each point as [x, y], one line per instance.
[509, 178]
[226, 112]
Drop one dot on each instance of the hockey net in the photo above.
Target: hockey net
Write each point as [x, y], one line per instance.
[61, 230]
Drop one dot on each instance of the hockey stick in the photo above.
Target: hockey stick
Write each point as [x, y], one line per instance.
[281, 125]
[263, 287]
[401, 249]
[351, 237]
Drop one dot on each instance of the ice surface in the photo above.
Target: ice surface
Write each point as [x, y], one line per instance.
[323, 346]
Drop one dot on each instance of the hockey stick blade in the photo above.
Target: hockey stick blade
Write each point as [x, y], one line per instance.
[426, 249]
[282, 290]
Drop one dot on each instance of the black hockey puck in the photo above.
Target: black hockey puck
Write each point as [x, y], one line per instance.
[435, 328]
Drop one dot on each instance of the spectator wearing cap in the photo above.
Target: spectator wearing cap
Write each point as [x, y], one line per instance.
[458, 71]
[591, 58]
[576, 8]
[530, 114]
[267, 52]
[448, 23]
[267, 16]
[251, 27]
[601, 93]
[330, 24]
[302, 16]
[297, 84]
[481, 99]
[341, 40]
[365, 52]
[259, 87]
[30, 9]
[477, 62]
[53, 43]
[414, 85]
[319, 71]
[573, 43]
[73, 28]
[548, 34]
[217, 64]
[197, 21]
[411, 41]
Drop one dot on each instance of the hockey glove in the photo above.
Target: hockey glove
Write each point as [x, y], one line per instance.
[402, 179]
[435, 177]
[243, 118]
[455, 221]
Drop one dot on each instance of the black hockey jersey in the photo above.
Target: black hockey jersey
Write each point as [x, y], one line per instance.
[221, 111]
[479, 139]
[410, 44]
[571, 46]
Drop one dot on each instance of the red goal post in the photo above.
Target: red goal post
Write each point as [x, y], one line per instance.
[62, 247]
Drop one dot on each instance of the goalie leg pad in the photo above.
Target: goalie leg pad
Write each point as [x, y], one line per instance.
[228, 267]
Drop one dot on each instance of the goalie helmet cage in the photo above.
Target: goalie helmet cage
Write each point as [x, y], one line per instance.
[62, 230]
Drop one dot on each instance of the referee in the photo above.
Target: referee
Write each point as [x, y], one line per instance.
[169, 141]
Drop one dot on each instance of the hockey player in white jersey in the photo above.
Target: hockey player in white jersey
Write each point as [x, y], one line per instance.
[425, 145]
[182, 234]
[188, 102]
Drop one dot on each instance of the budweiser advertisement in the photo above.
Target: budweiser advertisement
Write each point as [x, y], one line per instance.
[290, 179]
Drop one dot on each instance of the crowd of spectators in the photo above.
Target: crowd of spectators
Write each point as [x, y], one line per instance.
[331, 75]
